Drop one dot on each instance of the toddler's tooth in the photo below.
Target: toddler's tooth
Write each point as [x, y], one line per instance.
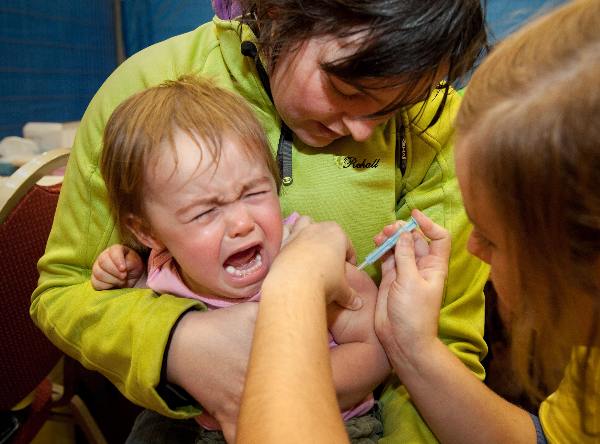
[254, 264]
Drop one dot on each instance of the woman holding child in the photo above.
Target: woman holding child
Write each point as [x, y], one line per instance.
[329, 82]
[528, 156]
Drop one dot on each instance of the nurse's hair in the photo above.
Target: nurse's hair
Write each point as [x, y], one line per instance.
[402, 41]
[144, 125]
[528, 127]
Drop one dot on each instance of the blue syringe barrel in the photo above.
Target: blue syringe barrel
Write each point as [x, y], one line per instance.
[389, 243]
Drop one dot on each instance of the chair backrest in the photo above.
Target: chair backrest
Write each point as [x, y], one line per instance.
[15, 187]
[27, 213]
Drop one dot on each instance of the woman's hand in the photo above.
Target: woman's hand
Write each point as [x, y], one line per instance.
[411, 289]
[317, 252]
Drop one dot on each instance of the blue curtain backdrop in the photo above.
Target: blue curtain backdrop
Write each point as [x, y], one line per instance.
[55, 54]
[53, 57]
[149, 21]
[505, 16]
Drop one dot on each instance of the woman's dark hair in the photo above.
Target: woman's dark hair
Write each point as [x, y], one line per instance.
[404, 41]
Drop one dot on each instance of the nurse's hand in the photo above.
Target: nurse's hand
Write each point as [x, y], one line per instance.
[317, 253]
[411, 289]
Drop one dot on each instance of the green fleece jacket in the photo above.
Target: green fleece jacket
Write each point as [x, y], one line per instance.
[123, 333]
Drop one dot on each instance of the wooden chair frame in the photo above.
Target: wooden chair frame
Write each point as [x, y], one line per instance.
[13, 190]
[16, 186]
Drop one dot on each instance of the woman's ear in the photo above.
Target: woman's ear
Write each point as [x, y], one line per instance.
[142, 232]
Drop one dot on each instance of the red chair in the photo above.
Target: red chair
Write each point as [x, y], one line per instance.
[26, 355]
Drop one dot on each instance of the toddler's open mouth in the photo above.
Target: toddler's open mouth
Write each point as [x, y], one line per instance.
[245, 262]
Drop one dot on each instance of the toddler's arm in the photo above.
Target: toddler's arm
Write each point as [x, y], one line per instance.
[117, 267]
[359, 362]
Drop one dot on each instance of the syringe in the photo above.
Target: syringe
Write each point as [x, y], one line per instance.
[410, 225]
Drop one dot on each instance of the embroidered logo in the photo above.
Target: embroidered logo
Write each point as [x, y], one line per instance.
[355, 162]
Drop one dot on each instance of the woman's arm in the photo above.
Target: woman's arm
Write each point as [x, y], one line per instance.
[289, 395]
[216, 346]
[454, 403]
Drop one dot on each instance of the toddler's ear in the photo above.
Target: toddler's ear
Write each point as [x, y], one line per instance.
[142, 232]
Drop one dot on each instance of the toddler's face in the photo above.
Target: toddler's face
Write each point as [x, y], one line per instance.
[222, 224]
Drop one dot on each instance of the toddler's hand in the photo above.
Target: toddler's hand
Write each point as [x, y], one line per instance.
[291, 230]
[117, 267]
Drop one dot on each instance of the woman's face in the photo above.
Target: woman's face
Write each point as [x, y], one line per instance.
[489, 240]
[320, 108]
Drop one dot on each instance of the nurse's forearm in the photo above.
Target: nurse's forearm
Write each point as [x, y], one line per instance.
[455, 404]
[289, 389]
